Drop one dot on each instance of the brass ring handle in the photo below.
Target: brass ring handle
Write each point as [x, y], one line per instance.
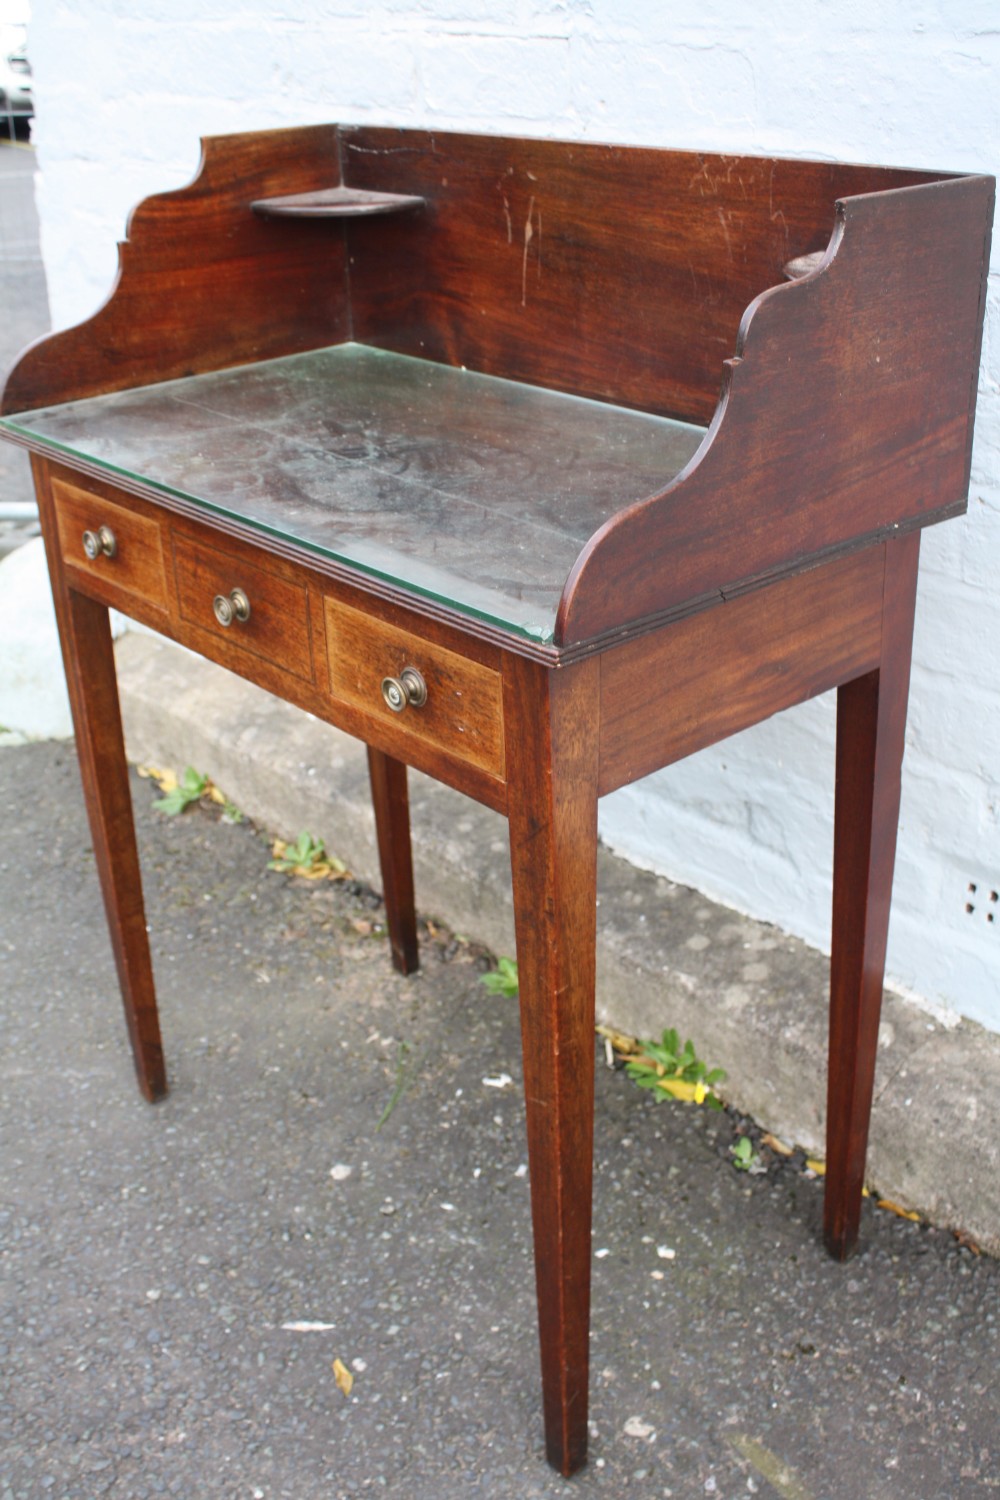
[100, 543]
[408, 690]
[232, 606]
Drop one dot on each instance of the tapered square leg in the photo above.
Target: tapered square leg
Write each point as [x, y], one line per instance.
[553, 839]
[871, 723]
[90, 669]
[89, 660]
[392, 828]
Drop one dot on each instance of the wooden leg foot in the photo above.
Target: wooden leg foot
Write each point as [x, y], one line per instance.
[392, 827]
[553, 839]
[90, 664]
[871, 722]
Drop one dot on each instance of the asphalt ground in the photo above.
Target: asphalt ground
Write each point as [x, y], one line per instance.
[333, 1153]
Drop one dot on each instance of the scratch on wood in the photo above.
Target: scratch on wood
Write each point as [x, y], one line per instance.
[699, 178]
[506, 214]
[725, 229]
[775, 213]
[529, 235]
[359, 150]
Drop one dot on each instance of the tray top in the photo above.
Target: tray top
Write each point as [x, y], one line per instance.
[474, 491]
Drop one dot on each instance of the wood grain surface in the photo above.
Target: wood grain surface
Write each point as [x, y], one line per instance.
[673, 692]
[615, 272]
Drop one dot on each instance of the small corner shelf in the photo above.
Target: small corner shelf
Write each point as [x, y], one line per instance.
[335, 203]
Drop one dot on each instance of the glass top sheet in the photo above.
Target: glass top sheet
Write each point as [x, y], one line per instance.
[475, 491]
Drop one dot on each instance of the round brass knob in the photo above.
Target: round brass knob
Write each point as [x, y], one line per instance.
[232, 606]
[100, 543]
[408, 690]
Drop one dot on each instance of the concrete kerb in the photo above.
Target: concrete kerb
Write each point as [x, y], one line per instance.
[752, 998]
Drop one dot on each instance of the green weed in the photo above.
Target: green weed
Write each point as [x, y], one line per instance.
[503, 979]
[305, 854]
[191, 787]
[668, 1069]
[745, 1158]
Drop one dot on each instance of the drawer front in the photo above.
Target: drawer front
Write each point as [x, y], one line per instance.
[463, 712]
[277, 627]
[130, 562]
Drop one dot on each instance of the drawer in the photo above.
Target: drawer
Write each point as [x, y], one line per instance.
[130, 563]
[277, 626]
[463, 711]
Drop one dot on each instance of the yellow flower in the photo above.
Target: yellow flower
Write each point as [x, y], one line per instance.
[678, 1089]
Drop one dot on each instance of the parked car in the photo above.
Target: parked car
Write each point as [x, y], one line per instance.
[16, 101]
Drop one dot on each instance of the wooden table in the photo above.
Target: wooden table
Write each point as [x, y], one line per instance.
[424, 433]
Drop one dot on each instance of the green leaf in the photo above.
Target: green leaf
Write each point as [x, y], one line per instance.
[300, 855]
[743, 1154]
[503, 979]
[190, 788]
[172, 804]
[404, 1077]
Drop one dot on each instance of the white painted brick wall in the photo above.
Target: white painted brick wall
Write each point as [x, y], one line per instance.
[125, 89]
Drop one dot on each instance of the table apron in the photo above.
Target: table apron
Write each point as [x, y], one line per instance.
[661, 696]
[679, 689]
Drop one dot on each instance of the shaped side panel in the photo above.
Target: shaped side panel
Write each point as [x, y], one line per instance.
[203, 282]
[847, 416]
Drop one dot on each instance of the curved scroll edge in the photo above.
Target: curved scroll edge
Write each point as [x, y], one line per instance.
[584, 616]
[564, 618]
[42, 351]
[50, 341]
